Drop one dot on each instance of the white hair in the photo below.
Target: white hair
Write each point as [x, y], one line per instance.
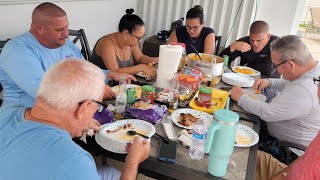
[70, 82]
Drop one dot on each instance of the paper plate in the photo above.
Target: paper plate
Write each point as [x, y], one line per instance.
[117, 141]
[237, 79]
[245, 136]
[115, 89]
[175, 116]
[141, 74]
[247, 70]
[254, 95]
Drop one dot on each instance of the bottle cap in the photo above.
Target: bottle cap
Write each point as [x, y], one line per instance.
[148, 88]
[205, 90]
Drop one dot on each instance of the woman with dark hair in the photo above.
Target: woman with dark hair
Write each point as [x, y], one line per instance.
[120, 50]
[194, 33]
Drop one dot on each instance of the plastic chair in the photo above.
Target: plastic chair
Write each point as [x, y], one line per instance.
[217, 43]
[80, 35]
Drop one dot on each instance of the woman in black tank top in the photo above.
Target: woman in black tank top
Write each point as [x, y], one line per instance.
[120, 50]
[194, 32]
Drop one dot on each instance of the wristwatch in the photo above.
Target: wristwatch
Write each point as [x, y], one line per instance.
[284, 174]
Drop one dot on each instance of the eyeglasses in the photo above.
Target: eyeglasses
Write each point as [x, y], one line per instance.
[138, 38]
[195, 28]
[101, 106]
[316, 80]
[275, 66]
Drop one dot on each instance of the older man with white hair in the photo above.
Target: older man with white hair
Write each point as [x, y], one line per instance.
[36, 143]
[294, 114]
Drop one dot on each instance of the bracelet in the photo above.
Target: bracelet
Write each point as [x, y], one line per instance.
[284, 174]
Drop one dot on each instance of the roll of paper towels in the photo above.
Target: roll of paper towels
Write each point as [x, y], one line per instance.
[169, 58]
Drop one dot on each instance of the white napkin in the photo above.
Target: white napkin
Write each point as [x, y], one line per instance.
[168, 128]
[90, 133]
[185, 137]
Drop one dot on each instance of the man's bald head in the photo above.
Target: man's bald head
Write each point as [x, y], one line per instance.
[45, 11]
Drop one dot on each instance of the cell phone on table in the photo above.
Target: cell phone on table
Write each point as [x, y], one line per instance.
[168, 151]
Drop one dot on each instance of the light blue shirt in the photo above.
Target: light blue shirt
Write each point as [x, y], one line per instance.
[23, 62]
[37, 151]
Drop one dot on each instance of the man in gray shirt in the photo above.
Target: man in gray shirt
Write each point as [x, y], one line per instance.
[294, 114]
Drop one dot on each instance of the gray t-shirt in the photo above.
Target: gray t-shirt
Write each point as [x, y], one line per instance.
[293, 115]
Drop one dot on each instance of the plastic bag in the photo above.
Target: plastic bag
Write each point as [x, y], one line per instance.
[190, 78]
[105, 116]
[145, 111]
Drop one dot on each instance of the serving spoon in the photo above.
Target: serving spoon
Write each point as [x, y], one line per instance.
[196, 51]
[132, 133]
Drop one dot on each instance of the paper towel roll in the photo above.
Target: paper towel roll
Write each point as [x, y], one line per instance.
[169, 58]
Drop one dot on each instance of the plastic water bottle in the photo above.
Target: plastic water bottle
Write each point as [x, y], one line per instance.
[121, 99]
[199, 134]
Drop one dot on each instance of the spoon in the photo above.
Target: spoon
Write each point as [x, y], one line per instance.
[196, 51]
[132, 133]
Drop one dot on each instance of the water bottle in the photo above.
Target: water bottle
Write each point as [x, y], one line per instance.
[174, 93]
[199, 134]
[121, 98]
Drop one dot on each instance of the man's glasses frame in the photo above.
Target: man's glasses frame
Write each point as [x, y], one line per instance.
[101, 106]
[275, 66]
[316, 80]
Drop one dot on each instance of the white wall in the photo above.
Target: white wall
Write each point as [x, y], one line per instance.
[282, 16]
[97, 18]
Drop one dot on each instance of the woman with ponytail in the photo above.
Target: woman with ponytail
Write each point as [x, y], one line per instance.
[120, 50]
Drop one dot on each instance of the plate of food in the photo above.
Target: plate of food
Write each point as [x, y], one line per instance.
[245, 136]
[255, 94]
[143, 74]
[245, 70]
[185, 117]
[113, 136]
[138, 88]
[237, 79]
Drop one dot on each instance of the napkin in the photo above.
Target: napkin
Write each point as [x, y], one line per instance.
[185, 137]
[89, 132]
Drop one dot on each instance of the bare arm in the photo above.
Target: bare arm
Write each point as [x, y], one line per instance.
[105, 48]
[173, 38]
[209, 44]
[140, 58]
[280, 176]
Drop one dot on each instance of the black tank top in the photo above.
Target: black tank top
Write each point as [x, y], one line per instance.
[184, 37]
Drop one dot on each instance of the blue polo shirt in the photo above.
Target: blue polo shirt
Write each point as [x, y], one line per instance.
[37, 151]
[23, 62]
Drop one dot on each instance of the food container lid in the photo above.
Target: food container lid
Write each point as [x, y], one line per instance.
[181, 44]
[205, 90]
[148, 88]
